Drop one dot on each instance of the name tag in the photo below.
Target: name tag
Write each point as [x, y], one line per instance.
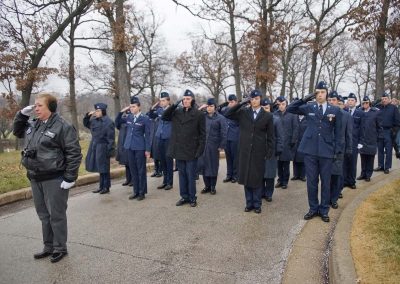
[49, 134]
[311, 114]
[139, 124]
[29, 131]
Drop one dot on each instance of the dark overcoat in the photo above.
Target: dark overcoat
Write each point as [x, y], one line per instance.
[299, 156]
[369, 130]
[216, 130]
[347, 143]
[256, 143]
[290, 132]
[122, 153]
[272, 163]
[102, 144]
[188, 134]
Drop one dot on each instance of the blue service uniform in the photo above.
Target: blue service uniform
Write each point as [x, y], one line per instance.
[337, 167]
[231, 148]
[163, 135]
[290, 128]
[101, 147]
[390, 118]
[320, 144]
[122, 153]
[350, 161]
[370, 127]
[299, 171]
[208, 163]
[137, 142]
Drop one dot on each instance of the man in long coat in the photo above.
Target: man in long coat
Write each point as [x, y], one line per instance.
[256, 144]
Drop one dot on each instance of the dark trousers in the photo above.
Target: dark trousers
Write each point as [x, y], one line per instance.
[268, 188]
[385, 150]
[167, 163]
[253, 197]
[299, 170]
[210, 181]
[105, 180]
[128, 176]
[336, 187]
[187, 179]
[350, 167]
[137, 165]
[283, 172]
[51, 206]
[367, 165]
[231, 158]
[157, 166]
[317, 167]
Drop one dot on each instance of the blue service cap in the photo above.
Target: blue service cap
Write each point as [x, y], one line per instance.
[265, 102]
[232, 97]
[135, 100]
[255, 93]
[366, 99]
[280, 99]
[340, 98]
[211, 101]
[352, 96]
[385, 95]
[100, 106]
[333, 94]
[322, 85]
[188, 93]
[164, 95]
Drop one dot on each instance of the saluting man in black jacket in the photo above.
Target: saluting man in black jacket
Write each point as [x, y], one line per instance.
[188, 137]
[52, 156]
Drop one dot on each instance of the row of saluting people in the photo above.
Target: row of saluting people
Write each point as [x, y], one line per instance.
[323, 139]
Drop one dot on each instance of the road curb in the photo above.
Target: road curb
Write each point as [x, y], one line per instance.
[341, 265]
[26, 193]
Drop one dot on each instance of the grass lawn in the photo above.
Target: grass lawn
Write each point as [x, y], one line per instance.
[375, 237]
[13, 175]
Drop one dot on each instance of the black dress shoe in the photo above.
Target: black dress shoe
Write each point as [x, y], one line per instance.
[233, 180]
[133, 196]
[353, 186]
[268, 199]
[278, 185]
[42, 254]
[386, 171]
[213, 191]
[310, 215]
[126, 183]
[57, 256]
[97, 190]
[159, 175]
[168, 187]
[257, 210]
[130, 184]
[153, 175]
[227, 179]
[162, 186]
[303, 179]
[104, 191]
[295, 178]
[140, 198]
[248, 209]
[340, 195]
[205, 190]
[360, 178]
[325, 218]
[368, 179]
[334, 205]
[193, 203]
[181, 202]
[378, 169]
[284, 186]
[176, 169]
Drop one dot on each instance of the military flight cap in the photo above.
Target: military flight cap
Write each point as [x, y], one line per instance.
[232, 98]
[188, 93]
[333, 94]
[211, 101]
[100, 106]
[322, 85]
[164, 95]
[255, 93]
[134, 100]
[265, 102]
[352, 96]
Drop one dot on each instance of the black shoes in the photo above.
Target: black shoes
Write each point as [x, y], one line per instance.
[126, 183]
[57, 256]
[182, 202]
[310, 215]
[378, 169]
[257, 210]
[168, 187]
[386, 172]
[353, 186]
[248, 209]
[278, 185]
[162, 186]
[334, 205]
[155, 174]
[340, 195]
[284, 186]
[133, 196]
[233, 180]
[368, 179]
[325, 218]
[42, 254]
[303, 179]
[193, 203]
[295, 178]
[97, 190]
[212, 190]
[104, 191]
[205, 190]
[268, 199]
[140, 198]
[360, 178]
[227, 179]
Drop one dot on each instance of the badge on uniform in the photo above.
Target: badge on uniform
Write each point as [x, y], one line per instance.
[29, 131]
[312, 114]
[331, 116]
[49, 134]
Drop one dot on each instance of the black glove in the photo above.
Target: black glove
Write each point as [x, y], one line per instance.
[398, 155]
[308, 98]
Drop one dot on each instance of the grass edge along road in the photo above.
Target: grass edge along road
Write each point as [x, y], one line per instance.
[375, 236]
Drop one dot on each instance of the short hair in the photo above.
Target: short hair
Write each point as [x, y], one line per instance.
[50, 100]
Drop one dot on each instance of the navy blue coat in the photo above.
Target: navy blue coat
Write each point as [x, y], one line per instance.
[164, 126]
[299, 156]
[347, 142]
[138, 133]
[102, 144]
[389, 117]
[122, 153]
[322, 137]
[357, 118]
[290, 128]
[370, 128]
[155, 141]
[272, 163]
[233, 127]
[208, 163]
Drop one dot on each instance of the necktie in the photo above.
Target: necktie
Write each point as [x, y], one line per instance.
[254, 114]
[320, 110]
[134, 119]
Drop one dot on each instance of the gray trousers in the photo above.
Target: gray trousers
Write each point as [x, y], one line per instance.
[51, 206]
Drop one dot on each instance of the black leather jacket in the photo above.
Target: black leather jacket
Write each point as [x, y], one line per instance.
[51, 149]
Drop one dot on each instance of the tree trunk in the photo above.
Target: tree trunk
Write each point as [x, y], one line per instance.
[151, 80]
[314, 57]
[285, 71]
[71, 77]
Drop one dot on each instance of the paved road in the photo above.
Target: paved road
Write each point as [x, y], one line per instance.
[116, 240]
